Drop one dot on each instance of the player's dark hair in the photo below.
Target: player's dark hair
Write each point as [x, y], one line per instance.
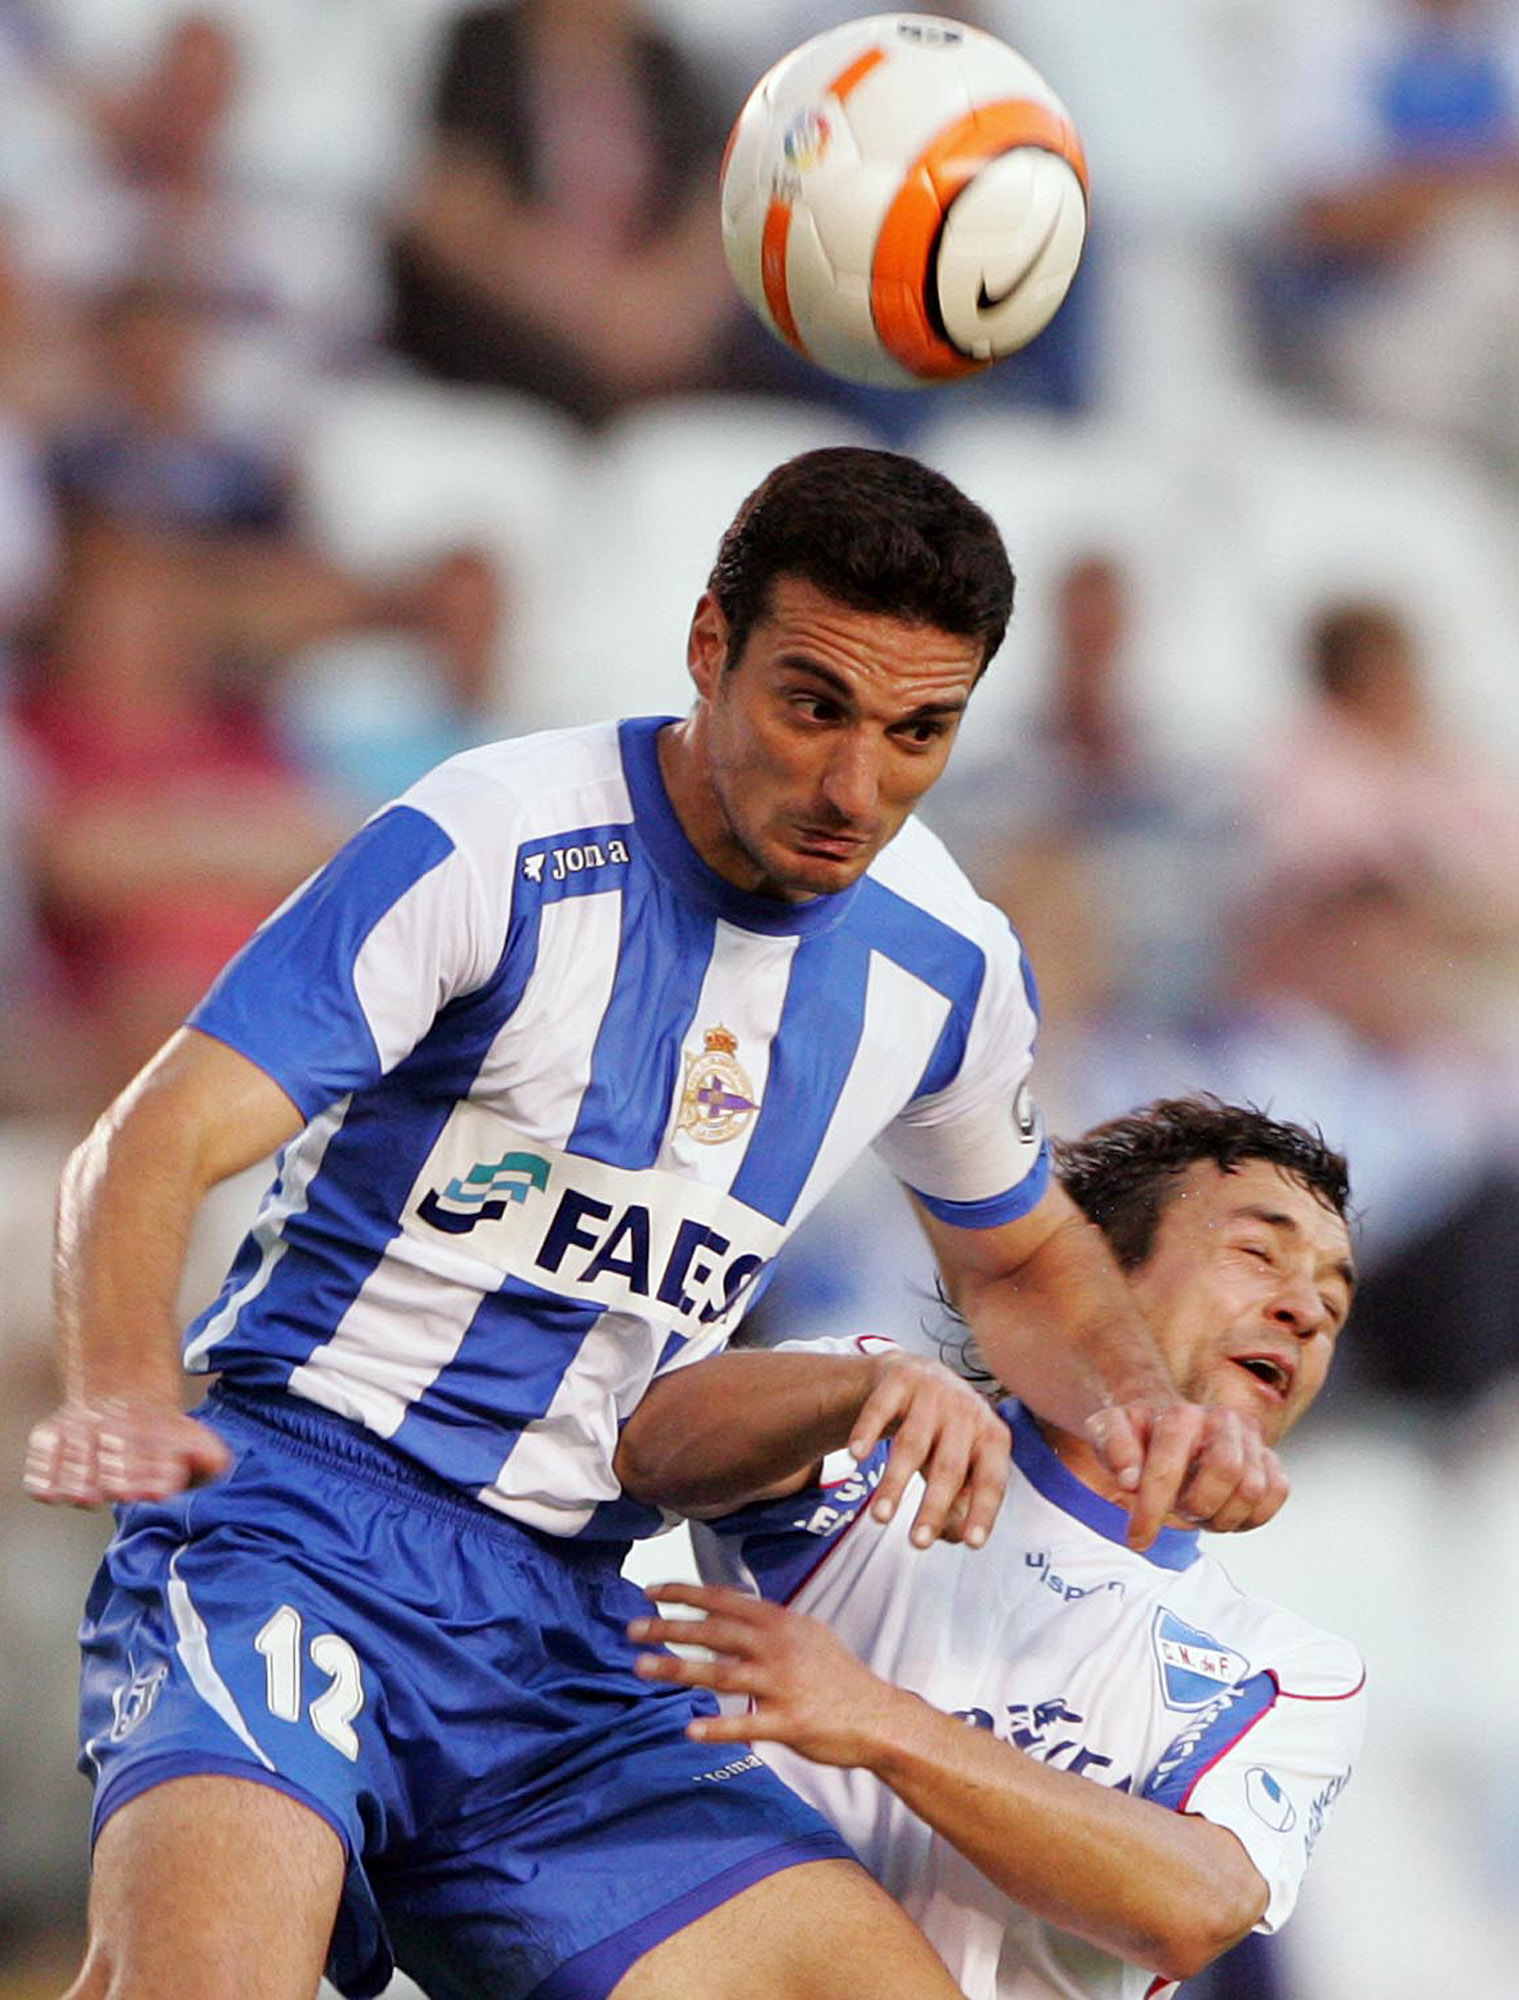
[1122, 1174]
[874, 530]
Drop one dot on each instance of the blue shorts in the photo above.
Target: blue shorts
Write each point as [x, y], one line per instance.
[450, 1691]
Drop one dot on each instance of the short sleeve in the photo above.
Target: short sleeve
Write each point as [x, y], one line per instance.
[971, 1144]
[349, 974]
[1268, 1761]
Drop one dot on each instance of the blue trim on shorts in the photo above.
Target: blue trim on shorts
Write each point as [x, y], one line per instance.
[135, 1779]
[592, 1974]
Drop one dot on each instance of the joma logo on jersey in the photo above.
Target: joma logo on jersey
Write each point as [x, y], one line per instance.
[483, 1193]
[553, 864]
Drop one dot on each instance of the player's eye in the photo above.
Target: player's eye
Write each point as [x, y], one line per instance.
[922, 735]
[815, 707]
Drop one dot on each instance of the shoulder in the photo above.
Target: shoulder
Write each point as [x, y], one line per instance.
[1307, 1662]
[524, 787]
[919, 870]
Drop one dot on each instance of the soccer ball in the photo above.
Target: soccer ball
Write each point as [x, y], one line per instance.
[904, 200]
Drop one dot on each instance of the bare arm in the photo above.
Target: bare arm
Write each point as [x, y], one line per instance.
[196, 1115]
[748, 1425]
[1055, 1321]
[1390, 211]
[1165, 1890]
[611, 307]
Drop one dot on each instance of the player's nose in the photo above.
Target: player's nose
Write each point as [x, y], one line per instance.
[1297, 1305]
[852, 779]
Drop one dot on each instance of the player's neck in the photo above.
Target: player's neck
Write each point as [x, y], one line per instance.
[1079, 1458]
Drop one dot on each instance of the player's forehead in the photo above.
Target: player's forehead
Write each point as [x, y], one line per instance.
[1255, 1193]
[876, 656]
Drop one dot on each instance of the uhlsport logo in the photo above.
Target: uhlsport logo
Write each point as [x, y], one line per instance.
[483, 1193]
[1268, 1801]
[718, 1099]
[1193, 1665]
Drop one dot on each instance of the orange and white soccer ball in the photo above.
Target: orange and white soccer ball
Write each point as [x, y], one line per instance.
[904, 200]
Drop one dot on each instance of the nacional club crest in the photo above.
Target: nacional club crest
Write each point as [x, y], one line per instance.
[717, 1100]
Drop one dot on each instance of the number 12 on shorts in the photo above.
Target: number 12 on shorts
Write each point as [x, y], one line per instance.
[332, 1710]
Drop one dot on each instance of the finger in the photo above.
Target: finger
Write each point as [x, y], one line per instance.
[1166, 1463]
[724, 1676]
[209, 1459]
[40, 1473]
[714, 1634]
[741, 1728]
[1261, 1492]
[1119, 1445]
[981, 1499]
[75, 1479]
[945, 1475]
[1221, 1460]
[879, 1412]
[701, 1596]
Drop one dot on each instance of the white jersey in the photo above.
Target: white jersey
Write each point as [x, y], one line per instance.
[1148, 1672]
[569, 1091]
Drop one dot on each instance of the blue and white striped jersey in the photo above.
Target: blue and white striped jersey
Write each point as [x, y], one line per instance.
[568, 1092]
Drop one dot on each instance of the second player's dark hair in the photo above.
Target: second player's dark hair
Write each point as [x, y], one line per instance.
[1122, 1174]
[875, 530]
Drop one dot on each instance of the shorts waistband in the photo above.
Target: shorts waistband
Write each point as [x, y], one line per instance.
[342, 1444]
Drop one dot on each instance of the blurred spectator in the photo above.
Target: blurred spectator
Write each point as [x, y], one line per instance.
[117, 173]
[563, 234]
[172, 812]
[1089, 772]
[1369, 797]
[170, 823]
[1399, 292]
[149, 449]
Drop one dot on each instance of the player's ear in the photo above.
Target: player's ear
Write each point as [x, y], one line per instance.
[707, 645]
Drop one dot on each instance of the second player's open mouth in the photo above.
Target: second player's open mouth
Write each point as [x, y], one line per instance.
[1268, 1370]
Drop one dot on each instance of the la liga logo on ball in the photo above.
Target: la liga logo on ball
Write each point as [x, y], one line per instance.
[904, 200]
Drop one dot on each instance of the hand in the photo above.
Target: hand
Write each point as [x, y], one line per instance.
[121, 1448]
[944, 1429]
[805, 1688]
[1205, 1462]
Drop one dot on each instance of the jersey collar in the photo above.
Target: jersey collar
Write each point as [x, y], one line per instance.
[668, 848]
[1173, 1548]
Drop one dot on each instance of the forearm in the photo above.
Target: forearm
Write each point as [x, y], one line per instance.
[124, 1207]
[1162, 1889]
[1063, 1332]
[1387, 213]
[127, 1198]
[707, 1438]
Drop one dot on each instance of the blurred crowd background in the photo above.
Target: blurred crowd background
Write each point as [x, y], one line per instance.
[371, 385]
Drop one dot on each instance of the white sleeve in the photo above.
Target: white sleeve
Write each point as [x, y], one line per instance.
[971, 1144]
[1284, 1760]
